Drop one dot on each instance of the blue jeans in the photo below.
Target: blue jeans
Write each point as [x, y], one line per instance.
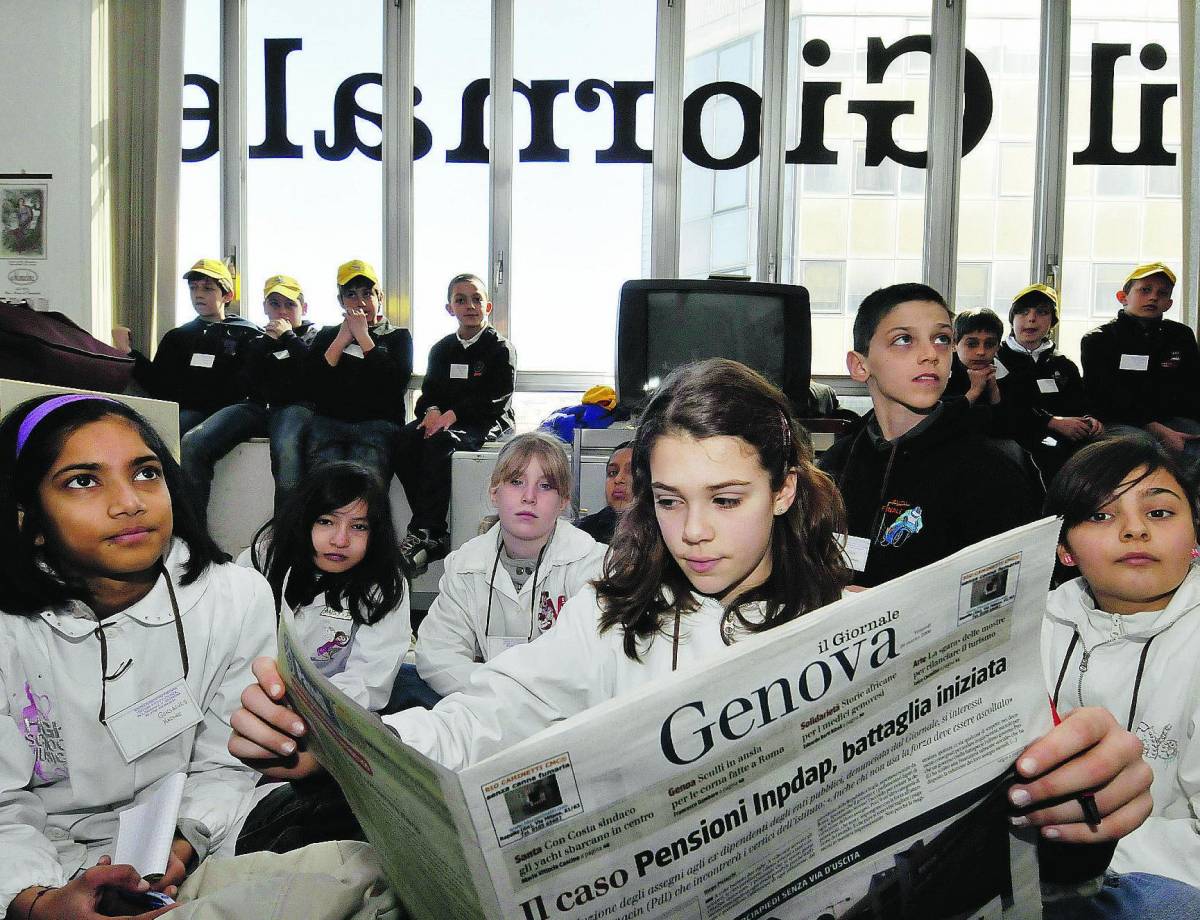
[410, 690]
[1133, 896]
[190, 418]
[212, 439]
[368, 443]
[288, 427]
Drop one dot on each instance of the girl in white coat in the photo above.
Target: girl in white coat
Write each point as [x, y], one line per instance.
[507, 587]
[732, 530]
[334, 545]
[113, 595]
[1126, 634]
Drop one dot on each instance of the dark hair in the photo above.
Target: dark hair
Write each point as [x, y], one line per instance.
[1033, 300]
[968, 321]
[1128, 285]
[880, 303]
[459, 279]
[356, 282]
[373, 587]
[716, 398]
[1093, 477]
[200, 276]
[624, 445]
[31, 579]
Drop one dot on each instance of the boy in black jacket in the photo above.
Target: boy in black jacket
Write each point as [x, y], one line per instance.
[919, 483]
[466, 399]
[274, 367]
[1143, 371]
[201, 364]
[358, 375]
[1042, 390]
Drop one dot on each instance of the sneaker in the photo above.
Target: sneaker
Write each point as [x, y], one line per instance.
[419, 548]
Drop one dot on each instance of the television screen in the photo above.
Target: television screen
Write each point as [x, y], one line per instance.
[665, 323]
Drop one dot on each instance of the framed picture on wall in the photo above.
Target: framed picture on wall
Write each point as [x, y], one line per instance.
[22, 220]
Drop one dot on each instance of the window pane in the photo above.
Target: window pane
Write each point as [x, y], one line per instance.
[199, 227]
[1121, 210]
[995, 211]
[720, 46]
[450, 221]
[314, 182]
[581, 224]
[858, 222]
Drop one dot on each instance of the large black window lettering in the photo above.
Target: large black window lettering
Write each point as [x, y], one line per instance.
[1154, 96]
[540, 94]
[346, 112]
[211, 143]
[813, 96]
[624, 95]
[275, 144]
[693, 141]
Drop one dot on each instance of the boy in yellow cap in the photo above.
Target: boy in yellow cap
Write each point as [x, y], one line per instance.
[1046, 406]
[465, 400]
[275, 407]
[1143, 371]
[358, 374]
[199, 365]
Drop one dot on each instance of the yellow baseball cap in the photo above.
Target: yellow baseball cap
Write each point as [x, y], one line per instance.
[283, 284]
[1040, 289]
[353, 269]
[1150, 268]
[213, 268]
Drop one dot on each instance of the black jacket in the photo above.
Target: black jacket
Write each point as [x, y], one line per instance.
[1168, 387]
[200, 365]
[361, 389]
[277, 367]
[933, 491]
[482, 399]
[1027, 403]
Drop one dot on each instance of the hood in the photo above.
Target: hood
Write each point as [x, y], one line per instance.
[567, 544]
[1012, 343]
[1073, 606]
[239, 322]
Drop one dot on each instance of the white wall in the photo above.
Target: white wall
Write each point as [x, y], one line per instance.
[45, 127]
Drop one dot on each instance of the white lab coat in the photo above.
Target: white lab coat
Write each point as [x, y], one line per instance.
[62, 777]
[456, 635]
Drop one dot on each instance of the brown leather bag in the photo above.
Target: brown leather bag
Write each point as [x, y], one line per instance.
[50, 348]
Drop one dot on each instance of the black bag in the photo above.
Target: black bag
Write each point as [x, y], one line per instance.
[49, 348]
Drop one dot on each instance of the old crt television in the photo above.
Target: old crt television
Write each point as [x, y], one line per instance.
[665, 323]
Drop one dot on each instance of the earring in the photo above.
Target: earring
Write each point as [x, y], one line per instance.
[779, 509]
[1068, 559]
[1196, 552]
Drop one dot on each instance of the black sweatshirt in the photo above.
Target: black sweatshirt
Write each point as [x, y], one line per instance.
[278, 367]
[933, 491]
[476, 382]
[1036, 389]
[1161, 379]
[200, 365]
[365, 388]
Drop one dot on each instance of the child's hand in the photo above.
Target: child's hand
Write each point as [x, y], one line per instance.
[356, 322]
[277, 327]
[1088, 752]
[122, 339]
[182, 855]
[443, 421]
[430, 420]
[266, 732]
[80, 898]
[1173, 440]
[979, 377]
[1073, 429]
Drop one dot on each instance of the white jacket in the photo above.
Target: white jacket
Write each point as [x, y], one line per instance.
[563, 672]
[62, 778]
[1165, 719]
[456, 634]
[360, 660]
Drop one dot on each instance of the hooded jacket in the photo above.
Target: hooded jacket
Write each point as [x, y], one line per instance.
[476, 382]
[200, 365]
[1165, 707]
[929, 493]
[1161, 375]
[456, 636]
[277, 366]
[364, 386]
[1037, 387]
[62, 777]
[571, 668]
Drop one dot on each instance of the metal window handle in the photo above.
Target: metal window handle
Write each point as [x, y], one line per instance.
[499, 280]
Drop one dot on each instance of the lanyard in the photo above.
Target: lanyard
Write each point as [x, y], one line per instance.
[105, 677]
[1083, 666]
[725, 628]
[487, 624]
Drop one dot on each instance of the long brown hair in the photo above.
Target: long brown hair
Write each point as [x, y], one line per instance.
[716, 398]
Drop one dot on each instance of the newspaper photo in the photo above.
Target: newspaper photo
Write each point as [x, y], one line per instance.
[852, 763]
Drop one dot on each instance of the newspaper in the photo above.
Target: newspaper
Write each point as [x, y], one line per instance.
[853, 763]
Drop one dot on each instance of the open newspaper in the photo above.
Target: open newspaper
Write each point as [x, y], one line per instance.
[852, 763]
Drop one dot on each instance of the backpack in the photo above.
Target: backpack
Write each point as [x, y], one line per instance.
[49, 348]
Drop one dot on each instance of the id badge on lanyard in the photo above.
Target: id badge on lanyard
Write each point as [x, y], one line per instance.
[498, 644]
[158, 717]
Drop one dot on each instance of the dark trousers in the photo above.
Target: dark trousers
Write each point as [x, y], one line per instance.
[369, 444]
[423, 466]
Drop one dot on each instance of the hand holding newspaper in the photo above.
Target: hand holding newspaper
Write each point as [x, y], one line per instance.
[852, 763]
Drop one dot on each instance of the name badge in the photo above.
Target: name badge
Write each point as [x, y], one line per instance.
[154, 720]
[1047, 385]
[353, 349]
[1135, 362]
[281, 355]
[200, 359]
[1001, 370]
[458, 372]
[855, 550]
[498, 644]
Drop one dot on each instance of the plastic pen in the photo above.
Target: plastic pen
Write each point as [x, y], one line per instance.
[1086, 800]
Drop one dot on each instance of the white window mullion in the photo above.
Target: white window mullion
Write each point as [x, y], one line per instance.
[399, 18]
[501, 163]
[234, 152]
[1050, 176]
[668, 139]
[774, 122]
